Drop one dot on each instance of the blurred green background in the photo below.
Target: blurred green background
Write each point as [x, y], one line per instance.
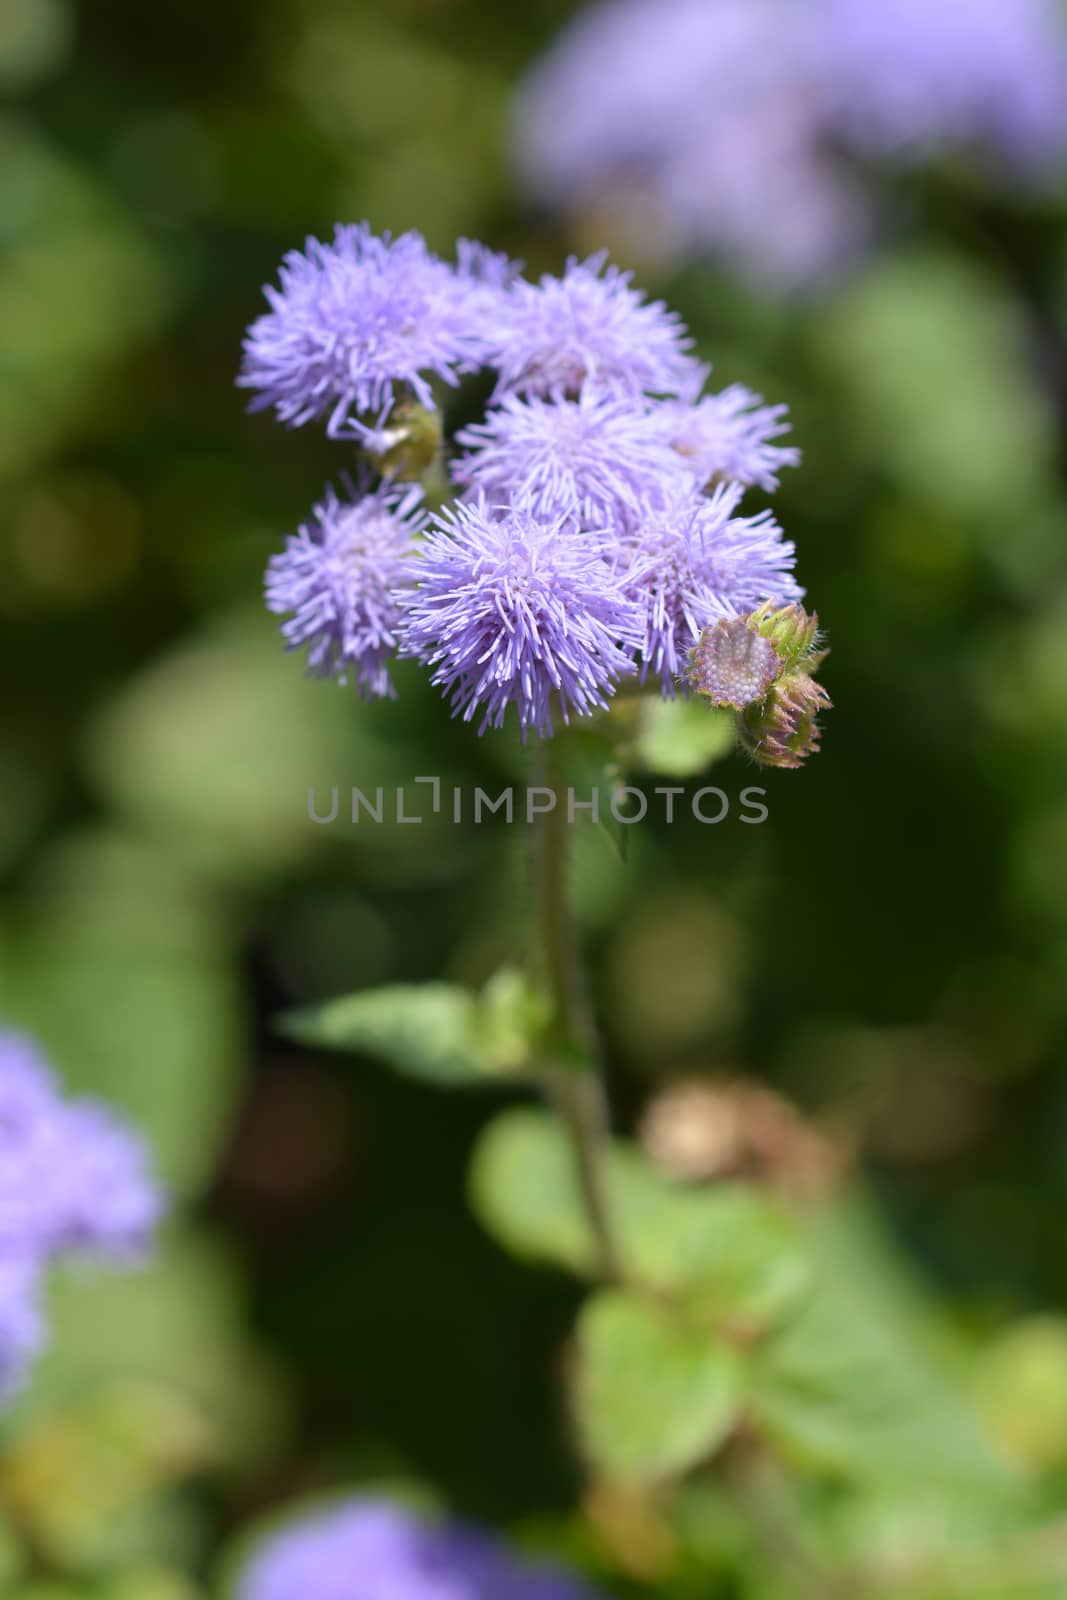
[889, 951]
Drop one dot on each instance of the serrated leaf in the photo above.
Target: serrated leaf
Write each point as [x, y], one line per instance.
[727, 1249]
[655, 1394]
[439, 1033]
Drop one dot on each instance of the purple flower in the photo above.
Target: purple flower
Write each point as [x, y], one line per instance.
[588, 327]
[695, 561]
[912, 78]
[21, 1327]
[591, 456]
[355, 321]
[512, 608]
[732, 126]
[480, 269]
[703, 125]
[73, 1180]
[30, 1148]
[336, 583]
[729, 438]
[106, 1202]
[371, 1550]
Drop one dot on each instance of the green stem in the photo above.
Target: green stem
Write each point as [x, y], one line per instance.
[572, 1073]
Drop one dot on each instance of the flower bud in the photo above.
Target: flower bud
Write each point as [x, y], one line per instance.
[408, 444]
[792, 631]
[782, 730]
[733, 665]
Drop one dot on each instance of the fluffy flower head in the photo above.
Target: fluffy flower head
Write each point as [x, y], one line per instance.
[511, 608]
[336, 580]
[355, 320]
[696, 560]
[593, 457]
[588, 327]
[729, 438]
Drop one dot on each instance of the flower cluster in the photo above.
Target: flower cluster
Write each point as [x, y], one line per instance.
[73, 1181]
[592, 522]
[372, 1550]
[737, 126]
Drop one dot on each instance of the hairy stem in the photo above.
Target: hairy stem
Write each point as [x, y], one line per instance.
[572, 1074]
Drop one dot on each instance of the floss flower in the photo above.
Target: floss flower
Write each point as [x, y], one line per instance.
[594, 526]
[729, 438]
[734, 126]
[702, 123]
[73, 1180]
[589, 326]
[357, 322]
[336, 581]
[512, 609]
[371, 1550]
[990, 75]
[695, 561]
[597, 455]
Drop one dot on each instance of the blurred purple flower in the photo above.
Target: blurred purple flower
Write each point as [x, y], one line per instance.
[587, 328]
[21, 1327]
[512, 608]
[73, 1180]
[592, 456]
[695, 560]
[730, 126]
[991, 75]
[705, 118]
[335, 582]
[371, 1550]
[356, 320]
[106, 1200]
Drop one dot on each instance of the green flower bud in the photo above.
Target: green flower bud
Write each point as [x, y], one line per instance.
[411, 436]
[783, 730]
[792, 631]
[762, 667]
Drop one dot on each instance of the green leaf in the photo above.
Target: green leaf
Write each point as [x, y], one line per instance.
[857, 1384]
[124, 976]
[151, 1583]
[655, 1394]
[939, 387]
[727, 1250]
[87, 1483]
[680, 738]
[178, 1323]
[439, 1033]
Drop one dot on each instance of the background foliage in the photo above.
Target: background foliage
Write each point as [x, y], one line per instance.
[889, 951]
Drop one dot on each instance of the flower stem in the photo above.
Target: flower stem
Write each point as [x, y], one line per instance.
[572, 1073]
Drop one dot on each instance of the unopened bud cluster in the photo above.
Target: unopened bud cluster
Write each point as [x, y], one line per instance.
[762, 667]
